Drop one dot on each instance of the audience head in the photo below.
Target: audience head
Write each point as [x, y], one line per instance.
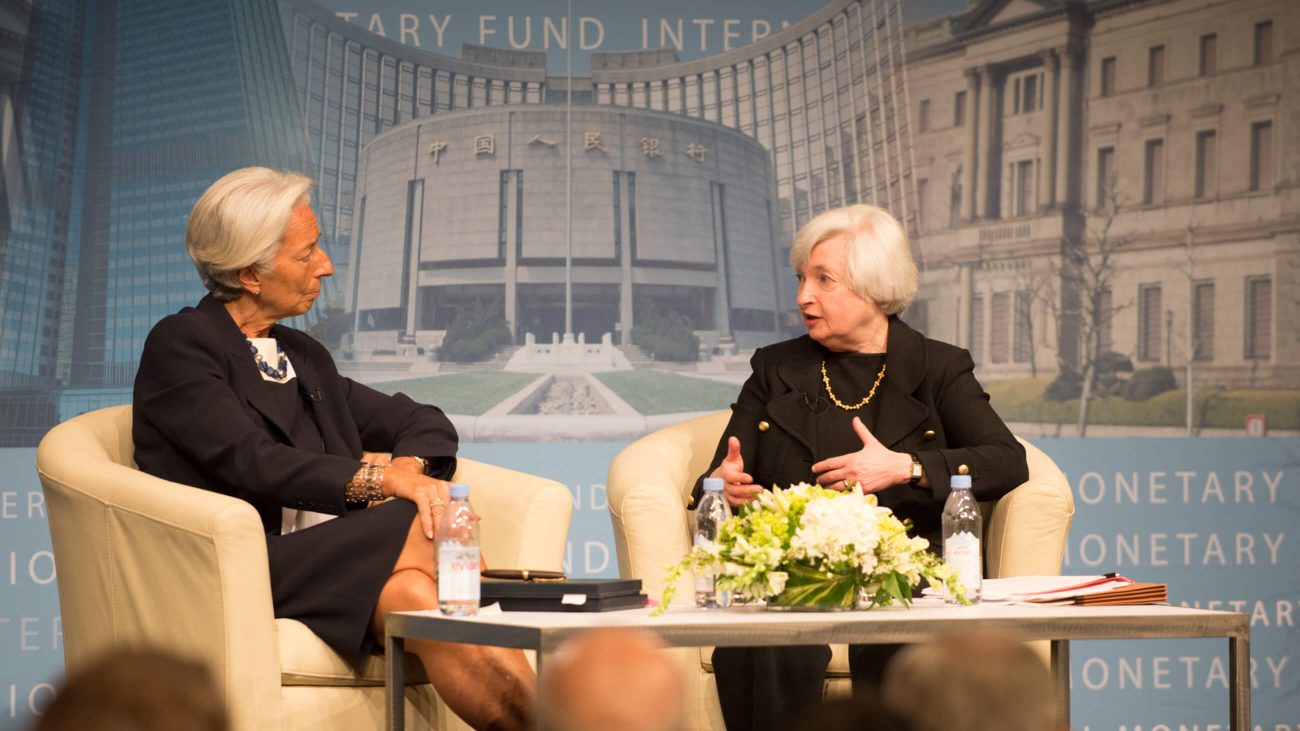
[613, 679]
[973, 682]
[138, 690]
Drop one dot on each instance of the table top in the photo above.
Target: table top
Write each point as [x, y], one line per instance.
[686, 626]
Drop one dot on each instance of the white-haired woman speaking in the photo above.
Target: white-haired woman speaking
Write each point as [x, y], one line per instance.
[861, 402]
[228, 400]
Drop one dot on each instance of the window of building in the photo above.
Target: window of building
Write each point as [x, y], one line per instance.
[922, 188]
[918, 315]
[1156, 66]
[1207, 167]
[959, 109]
[1263, 43]
[1153, 184]
[1105, 175]
[1025, 95]
[1101, 320]
[977, 327]
[923, 118]
[1149, 317]
[1022, 187]
[1259, 318]
[1022, 350]
[1203, 321]
[1108, 76]
[1209, 62]
[1261, 156]
[1000, 328]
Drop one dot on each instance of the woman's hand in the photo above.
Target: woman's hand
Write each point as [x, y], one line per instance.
[872, 468]
[737, 485]
[429, 495]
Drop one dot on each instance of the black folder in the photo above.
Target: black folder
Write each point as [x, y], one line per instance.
[571, 595]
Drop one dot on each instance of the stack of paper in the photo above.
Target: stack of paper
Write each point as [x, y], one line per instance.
[1087, 590]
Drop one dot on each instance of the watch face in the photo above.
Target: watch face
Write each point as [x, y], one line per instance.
[917, 470]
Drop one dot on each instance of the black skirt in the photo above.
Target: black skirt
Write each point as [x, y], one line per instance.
[329, 576]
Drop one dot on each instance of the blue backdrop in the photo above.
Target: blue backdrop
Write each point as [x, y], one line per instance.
[1211, 517]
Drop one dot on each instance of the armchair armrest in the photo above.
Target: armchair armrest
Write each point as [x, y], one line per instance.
[647, 489]
[1028, 527]
[525, 518]
[146, 561]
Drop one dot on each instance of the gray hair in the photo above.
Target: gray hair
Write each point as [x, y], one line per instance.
[879, 259]
[239, 222]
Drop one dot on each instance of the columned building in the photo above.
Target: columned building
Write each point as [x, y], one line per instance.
[467, 209]
[1111, 176]
[826, 97]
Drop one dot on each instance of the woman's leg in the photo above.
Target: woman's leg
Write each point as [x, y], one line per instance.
[489, 687]
[766, 688]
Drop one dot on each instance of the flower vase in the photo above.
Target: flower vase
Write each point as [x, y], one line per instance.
[808, 589]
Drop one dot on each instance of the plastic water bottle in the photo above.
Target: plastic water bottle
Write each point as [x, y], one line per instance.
[963, 527]
[710, 514]
[458, 556]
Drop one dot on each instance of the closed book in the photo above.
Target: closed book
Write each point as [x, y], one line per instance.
[571, 595]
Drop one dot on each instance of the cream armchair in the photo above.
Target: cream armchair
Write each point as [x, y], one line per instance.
[145, 561]
[651, 479]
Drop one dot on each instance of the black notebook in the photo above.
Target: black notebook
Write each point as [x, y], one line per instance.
[571, 595]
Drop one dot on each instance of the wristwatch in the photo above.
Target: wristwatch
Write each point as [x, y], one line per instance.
[918, 470]
[424, 463]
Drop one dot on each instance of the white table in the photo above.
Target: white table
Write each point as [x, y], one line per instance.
[746, 626]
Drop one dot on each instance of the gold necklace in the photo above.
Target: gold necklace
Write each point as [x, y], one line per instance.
[826, 381]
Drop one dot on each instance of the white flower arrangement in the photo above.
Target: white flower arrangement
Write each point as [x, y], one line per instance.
[807, 545]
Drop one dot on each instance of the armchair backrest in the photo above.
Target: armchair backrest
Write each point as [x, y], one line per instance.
[144, 561]
[650, 481]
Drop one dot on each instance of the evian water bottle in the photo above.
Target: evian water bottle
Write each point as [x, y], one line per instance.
[711, 513]
[962, 528]
[458, 557]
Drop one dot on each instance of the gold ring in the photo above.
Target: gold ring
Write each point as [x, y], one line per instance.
[435, 502]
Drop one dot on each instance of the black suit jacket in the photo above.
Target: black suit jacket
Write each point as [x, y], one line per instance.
[929, 404]
[202, 417]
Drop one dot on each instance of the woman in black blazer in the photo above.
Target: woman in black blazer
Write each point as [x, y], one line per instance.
[228, 400]
[861, 402]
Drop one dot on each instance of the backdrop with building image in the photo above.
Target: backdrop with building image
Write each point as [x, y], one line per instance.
[1102, 197]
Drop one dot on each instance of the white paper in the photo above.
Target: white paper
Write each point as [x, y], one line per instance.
[576, 600]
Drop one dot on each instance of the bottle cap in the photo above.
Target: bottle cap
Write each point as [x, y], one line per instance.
[459, 489]
[713, 484]
[960, 482]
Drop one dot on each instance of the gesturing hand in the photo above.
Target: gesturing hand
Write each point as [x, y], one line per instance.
[737, 485]
[873, 468]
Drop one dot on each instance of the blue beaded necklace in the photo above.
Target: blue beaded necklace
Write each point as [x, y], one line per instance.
[279, 373]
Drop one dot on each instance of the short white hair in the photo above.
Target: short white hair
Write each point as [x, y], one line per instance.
[239, 222]
[878, 258]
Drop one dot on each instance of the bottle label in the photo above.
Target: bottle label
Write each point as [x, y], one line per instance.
[458, 572]
[962, 552]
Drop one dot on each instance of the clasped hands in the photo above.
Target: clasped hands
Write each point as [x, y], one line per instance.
[405, 479]
[870, 469]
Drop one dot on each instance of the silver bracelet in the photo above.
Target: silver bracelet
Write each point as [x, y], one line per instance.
[365, 485]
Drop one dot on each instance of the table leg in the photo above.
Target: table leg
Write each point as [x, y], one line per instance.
[1061, 674]
[545, 654]
[1239, 682]
[394, 683]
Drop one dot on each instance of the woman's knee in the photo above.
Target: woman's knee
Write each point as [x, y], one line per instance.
[411, 589]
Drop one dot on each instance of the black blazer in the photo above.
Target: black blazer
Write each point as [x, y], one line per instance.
[929, 404]
[202, 417]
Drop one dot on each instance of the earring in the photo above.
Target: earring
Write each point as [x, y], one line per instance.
[258, 294]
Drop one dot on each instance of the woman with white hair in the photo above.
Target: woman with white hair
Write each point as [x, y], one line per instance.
[229, 400]
[861, 402]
